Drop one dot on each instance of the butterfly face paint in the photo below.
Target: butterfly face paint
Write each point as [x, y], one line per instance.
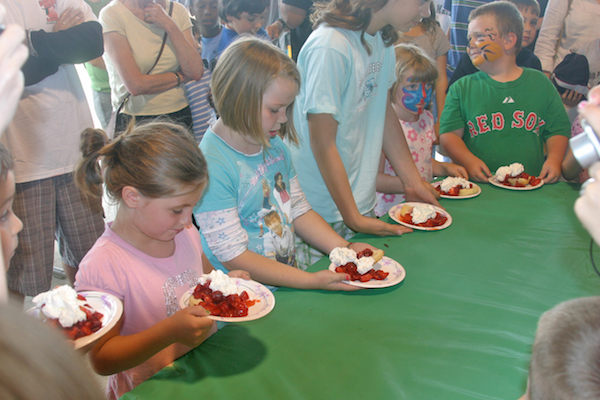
[483, 46]
[416, 96]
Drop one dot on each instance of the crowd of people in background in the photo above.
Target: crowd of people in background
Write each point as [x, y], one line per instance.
[254, 137]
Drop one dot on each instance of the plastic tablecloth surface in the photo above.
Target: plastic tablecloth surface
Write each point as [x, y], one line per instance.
[460, 326]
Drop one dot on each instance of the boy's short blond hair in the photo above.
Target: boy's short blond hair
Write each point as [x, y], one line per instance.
[508, 19]
[244, 71]
[565, 360]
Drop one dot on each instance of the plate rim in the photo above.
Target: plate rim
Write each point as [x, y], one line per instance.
[106, 325]
[268, 295]
[470, 196]
[494, 181]
[375, 285]
[421, 228]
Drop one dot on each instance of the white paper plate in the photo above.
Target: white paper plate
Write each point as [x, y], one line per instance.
[494, 181]
[255, 290]
[470, 196]
[396, 209]
[108, 305]
[395, 270]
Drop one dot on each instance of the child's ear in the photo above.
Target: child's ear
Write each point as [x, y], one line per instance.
[510, 40]
[131, 196]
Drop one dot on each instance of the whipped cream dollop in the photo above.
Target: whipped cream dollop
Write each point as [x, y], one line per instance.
[343, 255]
[61, 303]
[221, 282]
[453, 181]
[422, 212]
[513, 169]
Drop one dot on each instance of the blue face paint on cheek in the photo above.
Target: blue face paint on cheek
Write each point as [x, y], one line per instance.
[417, 99]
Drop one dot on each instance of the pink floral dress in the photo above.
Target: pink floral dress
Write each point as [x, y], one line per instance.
[420, 136]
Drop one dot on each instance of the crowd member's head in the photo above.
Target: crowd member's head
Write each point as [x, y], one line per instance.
[243, 16]
[565, 360]
[38, 363]
[10, 224]
[495, 33]
[530, 11]
[206, 16]
[416, 75]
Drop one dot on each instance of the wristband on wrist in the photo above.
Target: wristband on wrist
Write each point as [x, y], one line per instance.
[178, 78]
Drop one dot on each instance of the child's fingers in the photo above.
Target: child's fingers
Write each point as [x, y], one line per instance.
[197, 311]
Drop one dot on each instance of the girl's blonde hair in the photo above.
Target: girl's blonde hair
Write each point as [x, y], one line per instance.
[243, 73]
[410, 56]
[354, 15]
[158, 158]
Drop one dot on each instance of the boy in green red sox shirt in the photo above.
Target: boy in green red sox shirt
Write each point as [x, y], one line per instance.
[503, 113]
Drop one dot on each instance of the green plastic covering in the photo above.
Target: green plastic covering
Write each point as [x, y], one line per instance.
[460, 326]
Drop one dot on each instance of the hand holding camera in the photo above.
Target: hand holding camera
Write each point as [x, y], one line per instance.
[587, 152]
[13, 54]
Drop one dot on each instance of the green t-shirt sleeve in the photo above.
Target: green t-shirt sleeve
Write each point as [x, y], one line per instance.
[557, 121]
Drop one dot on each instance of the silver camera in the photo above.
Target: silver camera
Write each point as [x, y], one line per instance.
[586, 146]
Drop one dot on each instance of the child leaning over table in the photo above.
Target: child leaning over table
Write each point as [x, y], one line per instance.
[503, 113]
[411, 96]
[565, 359]
[151, 254]
[243, 224]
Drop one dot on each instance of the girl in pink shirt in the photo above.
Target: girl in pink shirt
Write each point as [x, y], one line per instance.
[151, 254]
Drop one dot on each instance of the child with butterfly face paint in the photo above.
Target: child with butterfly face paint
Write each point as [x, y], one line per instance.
[410, 96]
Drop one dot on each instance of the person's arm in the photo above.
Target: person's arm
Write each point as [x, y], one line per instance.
[587, 207]
[136, 82]
[323, 131]
[398, 154]
[184, 44]
[556, 147]
[570, 167]
[387, 183]
[115, 353]
[66, 45]
[457, 150]
[448, 169]
[545, 46]
[441, 85]
[13, 54]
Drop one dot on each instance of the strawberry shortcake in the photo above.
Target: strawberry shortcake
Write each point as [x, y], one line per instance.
[456, 186]
[63, 307]
[218, 294]
[423, 215]
[514, 175]
[362, 266]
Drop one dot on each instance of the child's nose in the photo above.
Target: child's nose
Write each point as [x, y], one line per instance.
[17, 225]
[186, 219]
[282, 117]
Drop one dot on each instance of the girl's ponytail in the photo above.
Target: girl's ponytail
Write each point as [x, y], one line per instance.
[88, 174]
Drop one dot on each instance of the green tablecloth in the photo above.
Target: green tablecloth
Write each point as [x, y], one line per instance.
[460, 326]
